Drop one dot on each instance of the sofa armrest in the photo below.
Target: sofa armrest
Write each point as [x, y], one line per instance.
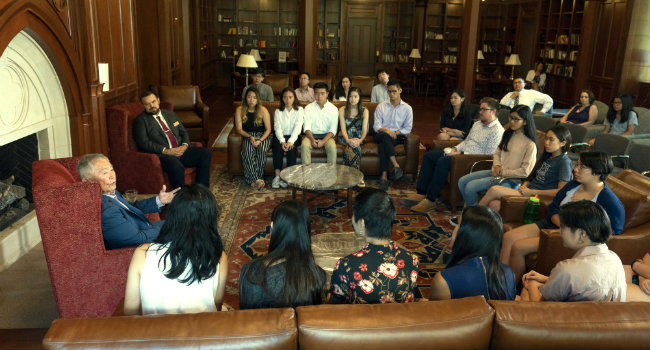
[593, 130]
[412, 148]
[512, 208]
[461, 165]
[235, 166]
[551, 251]
[138, 170]
[440, 144]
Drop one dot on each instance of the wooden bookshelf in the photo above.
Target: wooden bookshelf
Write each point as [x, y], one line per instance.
[328, 39]
[498, 31]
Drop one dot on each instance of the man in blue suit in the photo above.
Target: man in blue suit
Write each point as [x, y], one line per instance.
[123, 224]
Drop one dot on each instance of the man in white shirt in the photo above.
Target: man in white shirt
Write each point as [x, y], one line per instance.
[393, 122]
[380, 91]
[321, 124]
[529, 98]
[304, 93]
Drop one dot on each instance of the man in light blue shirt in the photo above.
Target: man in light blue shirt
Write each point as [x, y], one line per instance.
[380, 91]
[393, 121]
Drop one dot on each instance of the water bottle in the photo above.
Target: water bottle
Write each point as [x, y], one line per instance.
[532, 209]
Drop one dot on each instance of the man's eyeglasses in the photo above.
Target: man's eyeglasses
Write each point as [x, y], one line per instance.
[392, 91]
[485, 109]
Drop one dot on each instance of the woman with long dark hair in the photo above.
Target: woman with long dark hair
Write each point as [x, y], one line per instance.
[621, 118]
[288, 275]
[474, 267]
[353, 119]
[456, 119]
[514, 158]
[287, 125]
[184, 270]
[589, 175]
[551, 173]
[253, 122]
[343, 88]
[584, 112]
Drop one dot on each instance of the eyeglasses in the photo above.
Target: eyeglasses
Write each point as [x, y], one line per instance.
[392, 91]
[485, 109]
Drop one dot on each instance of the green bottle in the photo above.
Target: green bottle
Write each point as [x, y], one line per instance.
[532, 209]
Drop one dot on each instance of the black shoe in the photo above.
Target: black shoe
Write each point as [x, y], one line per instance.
[453, 221]
[383, 185]
[397, 174]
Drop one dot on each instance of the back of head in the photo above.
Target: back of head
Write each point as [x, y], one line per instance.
[85, 165]
[599, 162]
[479, 235]
[291, 229]
[377, 209]
[191, 231]
[588, 216]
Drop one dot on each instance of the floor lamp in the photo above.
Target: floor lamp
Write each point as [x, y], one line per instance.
[513, 61]
[246, 61]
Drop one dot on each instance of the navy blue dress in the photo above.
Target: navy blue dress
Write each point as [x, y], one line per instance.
[470, 279]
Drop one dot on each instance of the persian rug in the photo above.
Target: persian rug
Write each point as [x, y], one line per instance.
[244, 225]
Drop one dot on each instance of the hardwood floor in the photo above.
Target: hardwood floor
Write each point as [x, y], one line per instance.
[426, 124]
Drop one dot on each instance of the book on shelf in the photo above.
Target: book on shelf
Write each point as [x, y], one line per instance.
[232, 31]
[575, 39]
[573, 55]
[282, 56]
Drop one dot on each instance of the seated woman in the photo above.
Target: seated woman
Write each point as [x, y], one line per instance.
[474, 267]
[253, 122]
[514, 157]
[550, 174]
[184, 270]
[637, 277]
[382, 271]
[584, 112]
[353, 119]
[589, 175]
[288, 275]
[342, 88]
[621, 118]
[455, 120]
[536, 77]
[594, 273]
[287, 125]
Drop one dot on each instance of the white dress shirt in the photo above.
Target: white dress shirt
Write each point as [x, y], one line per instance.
[288, 122]
[321, 120]
[529, 98]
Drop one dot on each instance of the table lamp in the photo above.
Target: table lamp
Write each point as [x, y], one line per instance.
[415, 53]
[513, 61]
[246, 61]
[479, 56]
[256, 54]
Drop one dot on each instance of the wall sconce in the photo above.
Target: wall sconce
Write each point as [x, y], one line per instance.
[103, 75]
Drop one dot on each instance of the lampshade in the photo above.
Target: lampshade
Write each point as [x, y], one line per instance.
[246, 61]
[513, 60]
[479, 55]
[256, 54]
[415, 53]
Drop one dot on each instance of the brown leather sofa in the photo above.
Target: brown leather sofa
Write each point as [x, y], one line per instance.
[631, 188]
[468, 323]
[407, 155]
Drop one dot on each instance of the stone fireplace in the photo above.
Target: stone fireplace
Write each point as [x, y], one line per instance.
[32, 102]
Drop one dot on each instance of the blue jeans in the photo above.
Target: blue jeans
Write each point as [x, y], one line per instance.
[477, 182]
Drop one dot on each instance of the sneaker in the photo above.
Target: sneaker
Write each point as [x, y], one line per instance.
[424, 206]
[362, 183]
[453, 221]
[260, 184]
[397, 173]
[276, 183]
[383, 184]
[283, 184]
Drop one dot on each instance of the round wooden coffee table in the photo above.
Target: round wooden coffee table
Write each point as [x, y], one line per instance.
[321, 178]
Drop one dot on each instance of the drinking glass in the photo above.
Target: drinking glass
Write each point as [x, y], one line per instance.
[131, 195]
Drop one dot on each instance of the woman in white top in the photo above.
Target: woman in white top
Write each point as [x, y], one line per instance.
[536, 77]
[594, 273]
[184, 270]
[287, 125]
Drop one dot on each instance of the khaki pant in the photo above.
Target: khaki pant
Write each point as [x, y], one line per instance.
[330, 150]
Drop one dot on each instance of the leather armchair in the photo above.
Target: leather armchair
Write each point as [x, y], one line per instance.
[277, 82]
[583, 133]
[631, 188]
[87, 280]
[135, 170]
[193, 113]
[365, 83]
[461, 164]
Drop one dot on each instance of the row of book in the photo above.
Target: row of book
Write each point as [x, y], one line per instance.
[560, 54]
[327, 44]
[390, 58]
[258, 43]
[279, 30]
[559, 69]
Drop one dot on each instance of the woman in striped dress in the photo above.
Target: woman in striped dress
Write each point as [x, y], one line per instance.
[253, 122]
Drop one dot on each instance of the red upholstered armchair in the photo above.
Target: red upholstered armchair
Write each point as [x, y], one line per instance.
[135, 170]
[87, 279]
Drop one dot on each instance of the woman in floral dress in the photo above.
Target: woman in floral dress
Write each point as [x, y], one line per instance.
[382, 271]
[353, 119]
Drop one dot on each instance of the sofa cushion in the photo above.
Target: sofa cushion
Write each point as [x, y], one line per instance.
[576, 325]
[459, 324]
[635, 202]
[245, 329]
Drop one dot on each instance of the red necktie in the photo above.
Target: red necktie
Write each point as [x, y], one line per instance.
[169, 133]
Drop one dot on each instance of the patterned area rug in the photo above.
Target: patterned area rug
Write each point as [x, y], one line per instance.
[245, 218]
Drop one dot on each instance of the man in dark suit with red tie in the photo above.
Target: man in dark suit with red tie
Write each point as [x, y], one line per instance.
[160, 132]
[124, 224]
